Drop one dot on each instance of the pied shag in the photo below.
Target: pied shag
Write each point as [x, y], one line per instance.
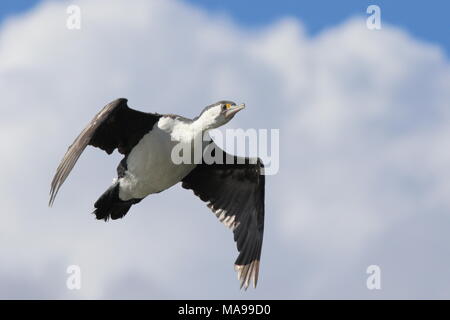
[233, 190]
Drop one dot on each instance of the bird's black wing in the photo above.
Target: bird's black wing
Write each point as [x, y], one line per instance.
[115, 126]
[235, 193]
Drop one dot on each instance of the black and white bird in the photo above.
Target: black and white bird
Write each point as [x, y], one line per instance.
[233, 190]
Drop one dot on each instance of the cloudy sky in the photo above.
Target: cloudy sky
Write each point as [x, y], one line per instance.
[364, 120]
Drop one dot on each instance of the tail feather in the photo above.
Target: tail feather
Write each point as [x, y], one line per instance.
[109, 205]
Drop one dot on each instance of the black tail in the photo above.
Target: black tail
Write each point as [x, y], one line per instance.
[109, 204]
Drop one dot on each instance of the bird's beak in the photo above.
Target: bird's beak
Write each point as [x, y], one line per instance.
[232, 110]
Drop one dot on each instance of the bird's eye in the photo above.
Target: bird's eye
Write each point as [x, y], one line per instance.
[224, 107]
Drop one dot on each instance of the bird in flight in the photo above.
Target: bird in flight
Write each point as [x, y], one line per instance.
[232, 187]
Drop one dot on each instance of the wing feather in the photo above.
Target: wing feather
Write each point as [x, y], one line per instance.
[115, 126]
[235, 193]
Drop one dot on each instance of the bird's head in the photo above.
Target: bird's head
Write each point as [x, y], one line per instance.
[218, 114]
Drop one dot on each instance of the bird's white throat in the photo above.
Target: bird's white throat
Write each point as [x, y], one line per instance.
[186, 131]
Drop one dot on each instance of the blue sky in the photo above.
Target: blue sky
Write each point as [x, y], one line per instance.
[426, 20]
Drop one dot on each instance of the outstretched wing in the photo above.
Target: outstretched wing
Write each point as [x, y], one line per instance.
[115, 126]
[235, 193]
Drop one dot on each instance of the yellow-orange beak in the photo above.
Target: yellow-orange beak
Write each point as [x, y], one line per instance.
[233, 109]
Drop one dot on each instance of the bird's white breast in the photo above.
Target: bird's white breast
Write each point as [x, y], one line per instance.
[150, 168]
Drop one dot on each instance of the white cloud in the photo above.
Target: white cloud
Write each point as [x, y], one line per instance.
[364, 164]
